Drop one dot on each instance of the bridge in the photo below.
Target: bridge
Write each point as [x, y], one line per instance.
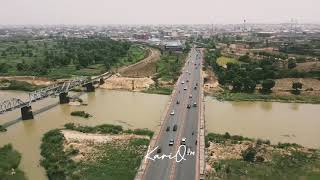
[60, 89]
[181, 130]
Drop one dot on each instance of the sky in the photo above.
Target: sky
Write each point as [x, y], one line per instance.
[157, 11]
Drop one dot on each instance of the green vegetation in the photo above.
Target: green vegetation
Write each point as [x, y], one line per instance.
[80, 114]
[107, 129]
[113, 160]
[228, 96]
[222, 61]
[296, 86]
[9, 162]
[222, 138]
[2, 129]
[135, 54]
[64, 57]
[285, 160]
[17, 85]
[169, 66]
[159, 90]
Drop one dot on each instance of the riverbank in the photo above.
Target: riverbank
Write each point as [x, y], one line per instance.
[231, 157]
[104, 151]
[18, 85]
[228, 96]
[10, 160]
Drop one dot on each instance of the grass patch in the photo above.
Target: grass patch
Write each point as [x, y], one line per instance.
[118, 160]
[285, 160]
[18, 85]
[9, 162]
[222, 61]
[159, 90]
[228, 96]
[80, 114]
[2, 129]
[169, 66]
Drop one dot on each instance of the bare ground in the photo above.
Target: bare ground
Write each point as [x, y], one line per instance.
[30, 79]
[143, 68]
[127, 83]
[228, 151]
[284, 86]
[87, 143]
[211, 84]
[308, 66]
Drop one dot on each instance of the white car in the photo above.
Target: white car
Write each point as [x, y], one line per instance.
[182, 82]
[185, 88]
[190, 96]
[183, 141]
[172, 113]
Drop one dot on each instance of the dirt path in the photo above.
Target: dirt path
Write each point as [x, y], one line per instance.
[143, 68]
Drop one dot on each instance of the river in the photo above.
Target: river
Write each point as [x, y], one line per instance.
[284, 122]
[129, 109]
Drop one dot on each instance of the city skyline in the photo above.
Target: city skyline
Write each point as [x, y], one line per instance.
[156, 12]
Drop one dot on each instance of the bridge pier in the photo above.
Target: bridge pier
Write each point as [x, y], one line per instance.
[63, 98]
[90, 87]
[101, 81]
[26, 113]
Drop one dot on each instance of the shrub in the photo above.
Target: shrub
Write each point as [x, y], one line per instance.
[80, 114]
[249, 154]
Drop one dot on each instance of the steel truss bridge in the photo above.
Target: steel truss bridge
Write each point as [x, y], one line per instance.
[52, 90]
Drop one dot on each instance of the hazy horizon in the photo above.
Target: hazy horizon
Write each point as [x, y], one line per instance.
[151, 12]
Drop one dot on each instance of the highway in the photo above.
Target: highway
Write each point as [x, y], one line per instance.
[187, 121]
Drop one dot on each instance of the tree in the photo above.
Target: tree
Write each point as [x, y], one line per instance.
[236, 85]
[267, 85]
[249, 154]
[292, 64]
[249, 85]
[296, 86]
[245, 58]
[4, 67]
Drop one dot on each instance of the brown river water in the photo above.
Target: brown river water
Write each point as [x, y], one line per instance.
[283, 122]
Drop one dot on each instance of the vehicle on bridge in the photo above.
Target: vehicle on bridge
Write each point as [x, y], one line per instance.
[183, 141]
[194, 104]
[188, 106]
[172, 112]
[171, 142]
[168, 128]
[178, 102]
[175, 127]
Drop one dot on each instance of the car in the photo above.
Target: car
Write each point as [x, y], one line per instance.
[194, 104]
[175, 127]
[182, 82]
[195, 87]
[196, 84]
[168, 128]
[188, 106]
[159, 150]
[185, 88]
[183, 141]
[178, 102]
[171, 142]
[172, 112]
[189, 73]
[187, 80]
[190, 96]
